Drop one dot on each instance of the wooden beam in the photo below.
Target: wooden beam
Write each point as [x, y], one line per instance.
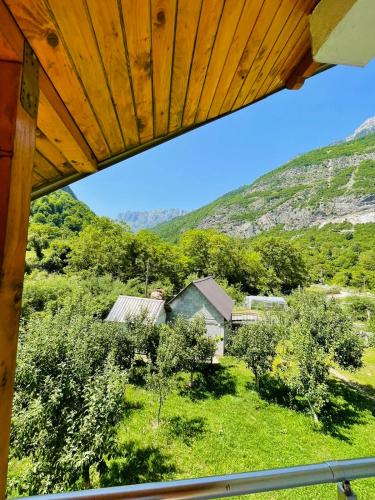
[17, 142]
[305, 68]
[62, 128]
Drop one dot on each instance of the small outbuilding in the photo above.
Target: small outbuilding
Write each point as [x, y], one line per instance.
[127, 307]
[204, 297]
[262, 302]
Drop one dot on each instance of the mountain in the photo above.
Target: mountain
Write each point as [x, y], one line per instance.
[149, 219]
[366, 128]
[70, 191]
[327, 185]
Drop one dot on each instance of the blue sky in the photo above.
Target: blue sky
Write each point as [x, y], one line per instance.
[199, 166]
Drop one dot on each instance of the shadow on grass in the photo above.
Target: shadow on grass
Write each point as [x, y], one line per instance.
[212, 381]
[347, 406]
[130, 406]
[133, 464]
[137, 373]
[186, 429]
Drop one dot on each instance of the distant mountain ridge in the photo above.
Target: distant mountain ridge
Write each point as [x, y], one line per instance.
[332, 184]
[149, 219]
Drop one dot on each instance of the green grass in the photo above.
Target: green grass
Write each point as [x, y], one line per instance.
[366, 375]
[224, 426]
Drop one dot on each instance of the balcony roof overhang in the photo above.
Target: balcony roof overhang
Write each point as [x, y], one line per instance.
[118, 77]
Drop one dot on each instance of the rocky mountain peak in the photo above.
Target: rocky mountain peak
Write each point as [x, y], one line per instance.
[366, 128]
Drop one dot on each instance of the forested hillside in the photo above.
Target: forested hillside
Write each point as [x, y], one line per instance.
[329, 185]
[66, 237]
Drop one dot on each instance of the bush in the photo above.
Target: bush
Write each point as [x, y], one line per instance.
[69, 395]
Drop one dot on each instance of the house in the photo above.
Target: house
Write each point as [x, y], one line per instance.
[127, 307]
[206, 298]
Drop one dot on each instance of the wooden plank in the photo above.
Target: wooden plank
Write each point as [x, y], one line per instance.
[186, 32]
[303, 69]
[274, 62]
[17, 141]
[53, 154]
[65, 118]
[208, 24]
[262, 25]
[82, 47]
[137, 26]
[106, 20]
[52, 126]
[38, 180]
[265, 51]
[294, 54]
[163, 17]
[228, 24]
[44, 36]
[245, 26]
[43, 167]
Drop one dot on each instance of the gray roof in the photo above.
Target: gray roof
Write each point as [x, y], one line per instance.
[127, 307]
[214, 294]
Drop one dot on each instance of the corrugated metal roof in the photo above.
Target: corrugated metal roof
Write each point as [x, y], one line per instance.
[127, 307]
[214, 294]
[244, 317]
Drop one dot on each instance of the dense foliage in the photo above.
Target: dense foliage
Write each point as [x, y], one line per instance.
[300, 345]
[101, 247]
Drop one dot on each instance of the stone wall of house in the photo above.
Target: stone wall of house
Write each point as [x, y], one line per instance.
[192, 303]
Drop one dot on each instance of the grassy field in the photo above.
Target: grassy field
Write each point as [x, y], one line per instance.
[224, 426]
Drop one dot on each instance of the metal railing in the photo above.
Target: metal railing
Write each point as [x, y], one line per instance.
[233, 484]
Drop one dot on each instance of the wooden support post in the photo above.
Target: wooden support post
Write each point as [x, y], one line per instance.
[17, 143]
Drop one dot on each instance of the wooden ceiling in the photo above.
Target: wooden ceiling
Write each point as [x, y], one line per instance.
[133, 73]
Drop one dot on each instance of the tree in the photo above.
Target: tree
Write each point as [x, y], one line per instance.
[255, 344]
[189, 345]
[69, 397]
[316, 333]
[161, 375]
[285, 266]
[144, 335]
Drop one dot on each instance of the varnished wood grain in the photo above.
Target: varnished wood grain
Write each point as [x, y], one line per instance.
[243, 32]
[53, 154]
[273, 64]
[186, 32]
[106, 21]
[208, 24]
[163, 17]
[251, 51]
[52, 126]
[11, 39]
[37, 25]
[43, 167]
[137, 25]
[266, 50]
[228, 24]
[16, 161]
[122, 75]
[78, 35]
